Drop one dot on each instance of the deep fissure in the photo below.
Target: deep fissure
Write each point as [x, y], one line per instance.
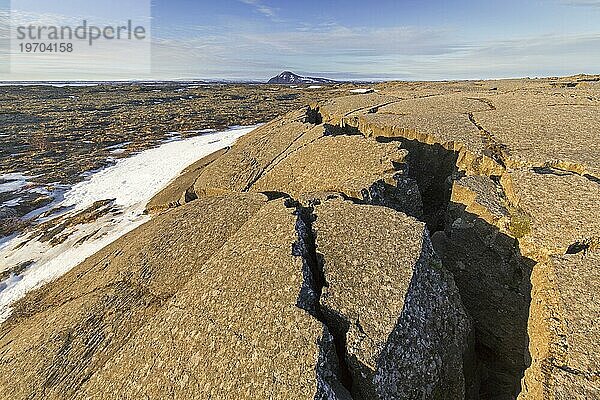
[312, 288]
[492, 268]
[432, 167]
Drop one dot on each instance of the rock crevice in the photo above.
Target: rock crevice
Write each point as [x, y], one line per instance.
[333, 376]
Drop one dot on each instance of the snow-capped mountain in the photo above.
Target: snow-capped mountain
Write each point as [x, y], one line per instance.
[290, 78]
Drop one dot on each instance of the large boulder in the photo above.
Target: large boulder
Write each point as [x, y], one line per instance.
[389, 299]
[232, 331]
[360, 168]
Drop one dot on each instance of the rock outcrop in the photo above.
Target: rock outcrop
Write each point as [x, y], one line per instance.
[517, 195]
[404, 327]
[64, 333]
[425, 241]
[246, 309]
[290, 78]
[233, 330]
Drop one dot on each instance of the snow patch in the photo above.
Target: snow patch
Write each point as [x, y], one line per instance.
[13, 203]
[361, 91]
[13, 182]
[131, 182]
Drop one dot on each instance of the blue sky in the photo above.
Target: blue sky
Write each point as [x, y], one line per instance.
[412, 40]
[377, 39]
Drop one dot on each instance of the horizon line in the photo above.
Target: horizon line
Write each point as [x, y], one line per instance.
[265, 81]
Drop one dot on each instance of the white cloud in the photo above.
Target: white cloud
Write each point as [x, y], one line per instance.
[254, 50]
[384, 53]
[261, 8]
[105, 59]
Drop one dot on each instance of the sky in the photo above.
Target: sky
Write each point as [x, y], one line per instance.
[351, 39]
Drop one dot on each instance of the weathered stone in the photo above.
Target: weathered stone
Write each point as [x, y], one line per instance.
[527, 148]
[560, 209]
[63, 333]
[181, 190]
[333, 110]
[246, 162]
[405, 329]
[357, 167]
[232, 331]
[546, 129]
[481, 197]
[493, 278]
[507, 174]
[564, 330]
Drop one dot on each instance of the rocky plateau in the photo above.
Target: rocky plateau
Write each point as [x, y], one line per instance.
[425, 240]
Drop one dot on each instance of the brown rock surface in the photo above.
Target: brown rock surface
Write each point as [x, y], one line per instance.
[546, 129]
[253, 154]
[529, 150]
[383, 283]
[357, 167]
[562, 208]
[335, 109]
[235, 305]
[233, 331]
[181, 190]
[564, 327]
[62, 334]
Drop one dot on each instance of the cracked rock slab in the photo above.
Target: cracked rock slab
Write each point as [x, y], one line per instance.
[563, 327]
[547, 128]
[562, 209]
[333, 110]
[353, 165]
[63, 333]
[480, 196]
[233, 331]
[443, 104]
[406, 327]
[240, 167]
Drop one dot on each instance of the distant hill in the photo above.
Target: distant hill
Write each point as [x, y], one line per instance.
[290, 78]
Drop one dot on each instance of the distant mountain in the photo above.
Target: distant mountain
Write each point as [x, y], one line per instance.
[290, 78]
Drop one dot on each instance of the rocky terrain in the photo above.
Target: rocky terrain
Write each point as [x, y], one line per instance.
[423, 241]
[52, 136]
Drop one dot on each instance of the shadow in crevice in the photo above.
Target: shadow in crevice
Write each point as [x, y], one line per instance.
[492, 275]
[333, 374]
[336, 130]
[313, 116]
[339, 327]
[493, 278]
[432, 167]
[275, 195]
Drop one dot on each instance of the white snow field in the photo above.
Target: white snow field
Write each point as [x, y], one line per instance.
[131, 182]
